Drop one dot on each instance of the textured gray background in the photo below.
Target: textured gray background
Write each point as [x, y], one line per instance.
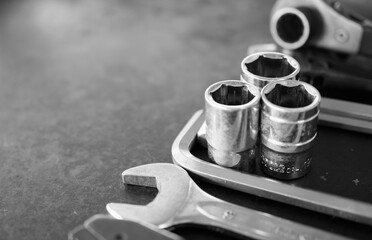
[89, 88]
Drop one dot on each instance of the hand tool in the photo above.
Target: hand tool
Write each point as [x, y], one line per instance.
[181, 201]
[104, 227]
[261, 68]
[289, 119]
[327, 24]
[187, 153]
[232, 114]
[344, 83]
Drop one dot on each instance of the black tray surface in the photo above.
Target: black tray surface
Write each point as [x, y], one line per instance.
[341, 165]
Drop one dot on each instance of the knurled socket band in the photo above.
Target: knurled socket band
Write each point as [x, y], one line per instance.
[289, 117]
[232, 114]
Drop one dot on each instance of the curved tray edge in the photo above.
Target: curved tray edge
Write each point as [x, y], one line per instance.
[261, 186]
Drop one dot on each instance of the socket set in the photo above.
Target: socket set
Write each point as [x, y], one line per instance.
[280, 137]
[306, 143]
[338, 183]
[281, 143]
[250, 145]
[295, 128]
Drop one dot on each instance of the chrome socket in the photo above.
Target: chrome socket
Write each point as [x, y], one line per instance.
[289, 117]
[232, 123]
[262, 68]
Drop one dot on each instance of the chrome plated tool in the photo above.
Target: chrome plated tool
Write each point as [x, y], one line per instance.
[181, 201]
[315, 200]
[232, 123]
[105, 227]
[261, 68]
[289, 119]
[327, 24]
[345, 88]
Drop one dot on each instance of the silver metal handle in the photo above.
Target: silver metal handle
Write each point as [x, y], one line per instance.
[255, 224]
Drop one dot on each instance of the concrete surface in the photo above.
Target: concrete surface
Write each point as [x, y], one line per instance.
[89, 88]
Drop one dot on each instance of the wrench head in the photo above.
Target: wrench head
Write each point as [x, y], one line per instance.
[174, 186]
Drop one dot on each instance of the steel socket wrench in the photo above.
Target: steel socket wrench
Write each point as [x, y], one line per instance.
[289, 116]
[292, 28]
[232, 123]
[262, 68]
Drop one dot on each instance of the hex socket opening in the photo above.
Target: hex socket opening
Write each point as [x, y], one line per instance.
[290, 97]
[290, 27]
[270, 67]
[232, 95]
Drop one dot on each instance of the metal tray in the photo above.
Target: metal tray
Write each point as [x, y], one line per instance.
[338, 184]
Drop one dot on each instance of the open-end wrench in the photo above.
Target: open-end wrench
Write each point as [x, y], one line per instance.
[181, 201]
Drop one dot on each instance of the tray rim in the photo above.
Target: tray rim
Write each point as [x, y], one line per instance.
[330, 204]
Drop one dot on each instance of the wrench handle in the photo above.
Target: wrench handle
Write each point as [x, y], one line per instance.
[255, 224]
